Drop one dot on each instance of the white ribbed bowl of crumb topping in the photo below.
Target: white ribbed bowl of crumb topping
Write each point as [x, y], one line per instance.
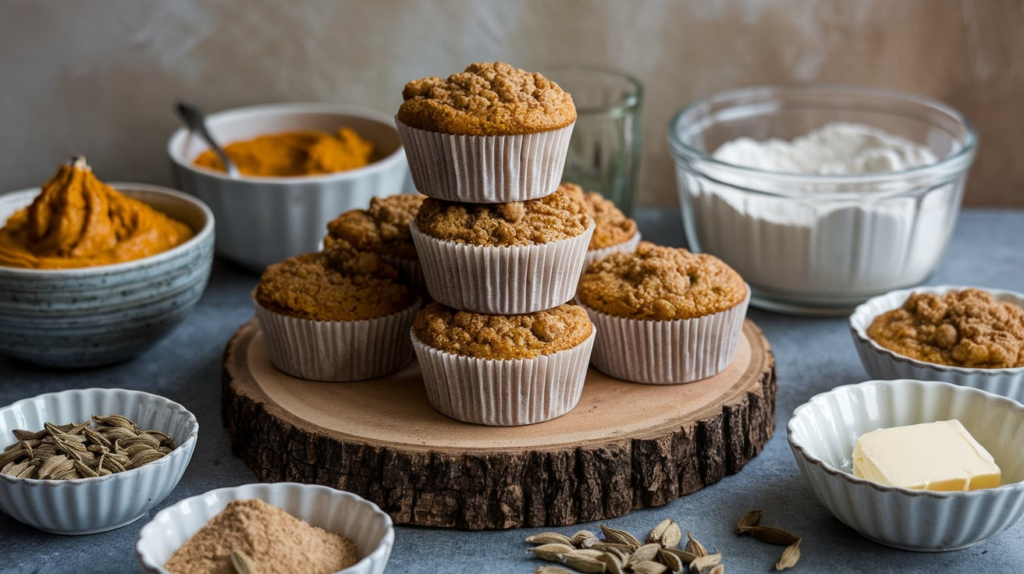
[822, 434]
[344, 513]
[92, 505]
[881, 363]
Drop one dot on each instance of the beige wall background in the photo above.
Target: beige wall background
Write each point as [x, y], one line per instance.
[100, 77]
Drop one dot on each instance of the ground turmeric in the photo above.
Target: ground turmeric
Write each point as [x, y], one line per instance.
[292, 154]
[79, 221]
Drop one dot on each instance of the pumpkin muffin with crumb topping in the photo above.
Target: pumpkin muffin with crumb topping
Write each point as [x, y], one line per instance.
[338, 315]
[503, 370]
[492, 133]
[664, 299]
[613, 231]
[508, 258]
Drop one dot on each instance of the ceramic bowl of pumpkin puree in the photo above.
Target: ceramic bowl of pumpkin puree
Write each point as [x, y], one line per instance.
[302, 165]
[94, 273]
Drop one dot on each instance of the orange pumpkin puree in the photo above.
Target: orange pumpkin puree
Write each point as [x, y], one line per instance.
[79, 221]
[292, 154]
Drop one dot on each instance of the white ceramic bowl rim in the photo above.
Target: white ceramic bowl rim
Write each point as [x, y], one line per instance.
[848, 477]
[175, 144]
[381, 548]
[157, 399]
[861, 319]
[958, 161]
[200, 236]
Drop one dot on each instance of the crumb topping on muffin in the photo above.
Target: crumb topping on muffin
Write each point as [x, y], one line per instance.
[382, 229]
[339, 284]
[661, 284]
[968, 328]
[502, 336]
[552, 218]
[487, 99]
[612, 227]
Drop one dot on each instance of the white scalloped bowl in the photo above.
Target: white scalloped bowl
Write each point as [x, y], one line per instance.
[881, 363]
[822, 434]
[351, 516]
[91, 505]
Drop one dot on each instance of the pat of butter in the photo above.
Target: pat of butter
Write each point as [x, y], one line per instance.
[930, 456]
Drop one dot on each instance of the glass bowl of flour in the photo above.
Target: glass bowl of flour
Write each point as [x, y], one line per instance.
[821, 196]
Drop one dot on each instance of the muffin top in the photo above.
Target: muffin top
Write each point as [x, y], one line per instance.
[661, 284]
[557, 216]
[966, 328]
[339, 284]
[488, 99]
[502, 336]
[612, 227]
[382, 229]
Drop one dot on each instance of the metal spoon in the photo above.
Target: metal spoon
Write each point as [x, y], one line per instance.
[196, 121]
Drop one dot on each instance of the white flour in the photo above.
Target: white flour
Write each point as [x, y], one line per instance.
[825, 251]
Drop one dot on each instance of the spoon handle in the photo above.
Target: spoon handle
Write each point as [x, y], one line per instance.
[196, 121]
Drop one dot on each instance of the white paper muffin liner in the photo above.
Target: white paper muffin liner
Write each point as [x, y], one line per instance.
[502, 280]
[627, 246]
[504, 392]
[337, 351]
[667, 352]
[410, 271]
[485, 169]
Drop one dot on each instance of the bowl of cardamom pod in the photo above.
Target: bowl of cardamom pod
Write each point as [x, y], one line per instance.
[91, 460]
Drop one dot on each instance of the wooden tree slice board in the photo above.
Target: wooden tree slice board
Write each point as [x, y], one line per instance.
[625, 445]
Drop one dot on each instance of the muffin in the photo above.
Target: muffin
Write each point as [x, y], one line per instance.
[338, 315]
[613, 231]
[491, 134]
[509, 258]
[503, 370]
[383, 229]
[663, 315]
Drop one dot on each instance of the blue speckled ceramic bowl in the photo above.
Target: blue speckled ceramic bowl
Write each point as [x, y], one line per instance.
[111, 313]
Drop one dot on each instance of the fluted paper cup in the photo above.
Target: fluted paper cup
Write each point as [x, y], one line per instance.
[501, 280]
[627, 246]
[485, 169]
[667, 352]
[337, 351]
[498, 392]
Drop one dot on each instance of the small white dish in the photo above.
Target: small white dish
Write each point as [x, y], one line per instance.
[822, 434]
[881, 363]
[344, 513]
[92, 505]
[263, 220]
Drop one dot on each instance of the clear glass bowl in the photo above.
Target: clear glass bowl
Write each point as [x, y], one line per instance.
[820, 244]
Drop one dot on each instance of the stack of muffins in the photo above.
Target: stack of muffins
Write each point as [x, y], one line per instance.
[501, 245]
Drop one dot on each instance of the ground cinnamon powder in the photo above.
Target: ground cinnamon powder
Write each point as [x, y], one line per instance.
[277, 543]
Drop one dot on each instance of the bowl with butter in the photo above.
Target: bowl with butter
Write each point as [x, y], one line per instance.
[962, 335]
[917, 465]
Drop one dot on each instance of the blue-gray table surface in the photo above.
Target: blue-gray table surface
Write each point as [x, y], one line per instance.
[812, 354]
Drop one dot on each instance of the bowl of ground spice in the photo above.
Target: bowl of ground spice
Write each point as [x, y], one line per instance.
[283, 528]
[301, 165]
[962, 335]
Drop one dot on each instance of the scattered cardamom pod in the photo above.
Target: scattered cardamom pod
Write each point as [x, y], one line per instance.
[242, 563]
[748, 521]
[620, 536]
[550, 538]
[773, 535]
[673, 561]
[583, 563]
[613, 564]
[645, 553]
[649, 567]
[584, 538]
[706, 561]
[552, 552]
[789, 557]
[695, 547]
[551, 570]
[717, 570]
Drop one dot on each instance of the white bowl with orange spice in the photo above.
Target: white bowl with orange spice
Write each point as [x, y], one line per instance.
[339, 532]
[289, 190]
[94, 274]
[973, 337]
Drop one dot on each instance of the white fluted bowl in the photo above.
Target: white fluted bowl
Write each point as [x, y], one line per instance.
[881, 363]
[822, 434]
[263, 220]
[344, 513]
[91, 505]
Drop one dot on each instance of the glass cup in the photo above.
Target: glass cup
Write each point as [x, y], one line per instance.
[604, 152]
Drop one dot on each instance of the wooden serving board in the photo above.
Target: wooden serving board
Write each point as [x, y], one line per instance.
[625, 445]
